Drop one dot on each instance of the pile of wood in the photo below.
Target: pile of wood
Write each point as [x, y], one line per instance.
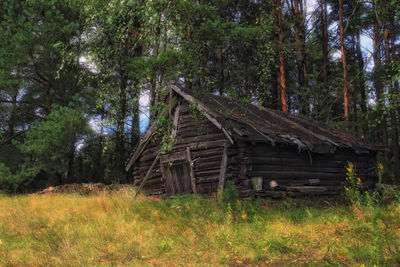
[88, 188]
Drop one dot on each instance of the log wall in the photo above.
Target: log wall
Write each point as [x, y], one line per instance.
[245, 160]
[289, 167]
[206, 143]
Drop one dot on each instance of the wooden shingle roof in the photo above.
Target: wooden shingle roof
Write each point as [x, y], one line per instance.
[248, 122]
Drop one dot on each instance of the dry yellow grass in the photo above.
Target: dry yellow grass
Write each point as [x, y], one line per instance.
[74, 230]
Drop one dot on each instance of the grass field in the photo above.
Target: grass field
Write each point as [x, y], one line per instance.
[73, 230]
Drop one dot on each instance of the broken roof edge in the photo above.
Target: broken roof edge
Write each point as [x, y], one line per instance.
[139, 148]
[202, 108]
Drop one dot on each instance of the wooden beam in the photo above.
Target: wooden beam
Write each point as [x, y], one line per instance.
[147, 175]
[167, 177]
[222, 174]
[206, 112]
[192, 173]
[176, 119]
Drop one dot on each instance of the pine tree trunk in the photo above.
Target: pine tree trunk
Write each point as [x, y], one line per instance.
[361, 83]
[299, 34]
[325, 40]
[382, 127]
[393, 116]
[344, 63]
[396, 105]
[120, 134]
[153, 81]
[220, 70]
[281, 75]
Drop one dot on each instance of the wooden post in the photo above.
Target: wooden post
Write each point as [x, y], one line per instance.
[222, 172]
[175, 124]
[191, 167]
[147, 175]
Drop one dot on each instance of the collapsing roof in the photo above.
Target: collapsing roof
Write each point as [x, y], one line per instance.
[250, 123]
[247, 122]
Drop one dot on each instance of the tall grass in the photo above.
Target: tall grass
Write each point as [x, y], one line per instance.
[71, 230]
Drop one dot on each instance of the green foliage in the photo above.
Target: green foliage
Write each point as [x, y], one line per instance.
[229, 196]
[50, 145]
[6, 180]
[353, 187]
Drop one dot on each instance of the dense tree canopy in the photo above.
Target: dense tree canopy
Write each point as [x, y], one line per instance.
[68, 65]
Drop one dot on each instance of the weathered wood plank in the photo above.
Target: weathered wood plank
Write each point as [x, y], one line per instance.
[166, 174]
[175, 122]
[147, 175]
[202, 138]
[224, 162]
[192, 172]
[202, 145]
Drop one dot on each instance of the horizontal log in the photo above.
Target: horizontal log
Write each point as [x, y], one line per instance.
[207, 179]
[154, 192]
[195, 131]
[154, 186]
[154, 181]
[207, 165]
[295, 174]
[144, 169]
[294, 161]
[201, 145]
[207, 172]
[203, 138]
[279, 151]
[151, 176]
[187, 119]
[207, 152]
[312, 169]
[207, 188]
[149, 156]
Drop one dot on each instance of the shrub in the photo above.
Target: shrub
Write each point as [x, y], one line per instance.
[229, 196]
[8, 183]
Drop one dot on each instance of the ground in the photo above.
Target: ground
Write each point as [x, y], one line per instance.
[113, 229]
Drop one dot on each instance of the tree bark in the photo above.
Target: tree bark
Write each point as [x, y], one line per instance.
[382, 127]
[121, 116]
[344, 63]
[296, 10]
[396, 104]
[153, 88]
[281, 75]
[393, 110]
[325, 40]
[220, 70]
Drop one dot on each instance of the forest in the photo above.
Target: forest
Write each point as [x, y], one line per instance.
[80, 80]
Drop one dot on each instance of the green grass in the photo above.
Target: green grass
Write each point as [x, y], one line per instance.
[74, 230]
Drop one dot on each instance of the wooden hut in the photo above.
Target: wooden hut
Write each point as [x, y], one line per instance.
[262, 151]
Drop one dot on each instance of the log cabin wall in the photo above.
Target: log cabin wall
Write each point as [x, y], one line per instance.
[239, 164]
[206, 143]
[154, 184]
[287, 166]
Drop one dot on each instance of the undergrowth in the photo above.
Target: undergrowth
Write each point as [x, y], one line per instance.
[66, 229]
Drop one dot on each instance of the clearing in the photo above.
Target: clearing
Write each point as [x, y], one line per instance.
[111, 229]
